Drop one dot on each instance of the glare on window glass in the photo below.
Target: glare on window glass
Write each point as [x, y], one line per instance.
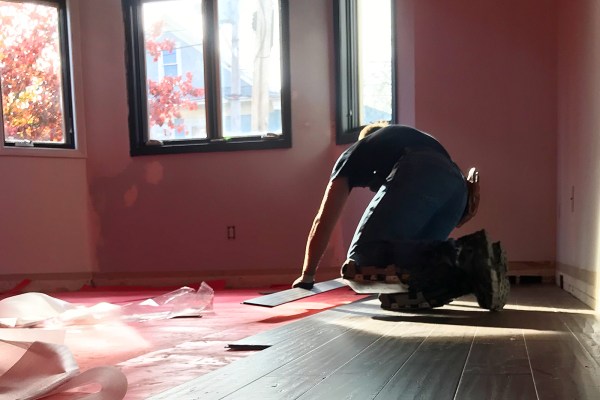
[30, 73]
[174, 70]
[249, 54]
[375, 60]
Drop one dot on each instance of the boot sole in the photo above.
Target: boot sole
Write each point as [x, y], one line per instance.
[403, 301]
[359, 274]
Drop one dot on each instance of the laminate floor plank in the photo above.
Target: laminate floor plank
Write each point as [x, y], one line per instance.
[300, 327]
[544, 345]
[364, 376]
[286, 332]
[586, 328]
[497, 367]
[294, 379]
[434, 370]
[288, 295]
[562, 368]
[234, 376]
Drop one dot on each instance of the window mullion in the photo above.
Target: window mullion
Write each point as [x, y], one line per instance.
[67, 99]
[53, 86]
[212, 79]
[204, 88]
[353, 62]
[361, 71]
[347, 67]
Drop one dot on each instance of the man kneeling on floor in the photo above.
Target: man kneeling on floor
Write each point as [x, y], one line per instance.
[420, 197]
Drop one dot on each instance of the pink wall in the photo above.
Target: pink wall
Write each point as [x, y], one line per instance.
[485, 85]
[579, 141]
[43, 215]
[480, 75]
[171, 212]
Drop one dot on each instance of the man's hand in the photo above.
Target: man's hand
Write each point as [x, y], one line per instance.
[305, 281]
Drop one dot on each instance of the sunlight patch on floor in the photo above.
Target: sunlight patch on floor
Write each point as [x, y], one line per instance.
[551, 309]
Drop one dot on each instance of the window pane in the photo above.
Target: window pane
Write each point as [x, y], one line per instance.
[30, 73]
[170, 70]
[375, 60]
[169, 57]
[174, 69]
[249, 45]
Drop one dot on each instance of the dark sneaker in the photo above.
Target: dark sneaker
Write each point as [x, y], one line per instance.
[353, 272]
[485, 264]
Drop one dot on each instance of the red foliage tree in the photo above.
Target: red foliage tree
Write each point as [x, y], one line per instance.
[171, 94]
[30, 72]
[31, 80]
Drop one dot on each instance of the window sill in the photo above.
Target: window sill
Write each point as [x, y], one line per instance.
[212, 146]
[13, 151]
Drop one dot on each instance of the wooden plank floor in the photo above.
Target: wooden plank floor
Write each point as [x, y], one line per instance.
[544, 345]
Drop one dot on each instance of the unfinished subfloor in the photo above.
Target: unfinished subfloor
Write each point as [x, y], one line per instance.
[337, 345]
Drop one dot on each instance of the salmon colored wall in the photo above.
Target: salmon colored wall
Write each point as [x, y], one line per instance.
[479, 75]
[43, 215]
[485, 86]
[161, 213]
[44, 202]
[579, 139]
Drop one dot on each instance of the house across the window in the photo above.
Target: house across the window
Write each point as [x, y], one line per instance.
[169, 62]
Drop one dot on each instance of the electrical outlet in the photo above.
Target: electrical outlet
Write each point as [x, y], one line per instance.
[572, 198]
[231, 232]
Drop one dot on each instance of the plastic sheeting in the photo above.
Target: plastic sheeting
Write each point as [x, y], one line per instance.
[40, 310]
[34, 362]
[33, 370]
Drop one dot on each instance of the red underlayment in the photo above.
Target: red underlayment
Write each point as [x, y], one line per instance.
[160, 354]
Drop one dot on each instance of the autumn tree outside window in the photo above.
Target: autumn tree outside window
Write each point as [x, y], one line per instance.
[34, 74]
[207, 75]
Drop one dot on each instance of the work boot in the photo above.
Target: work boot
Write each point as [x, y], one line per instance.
[416, 300]
[353, 272]
[485, 265]
[403, 301]
[438, 277]
[434, 282]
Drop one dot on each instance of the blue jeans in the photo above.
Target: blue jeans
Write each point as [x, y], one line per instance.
[415, 210]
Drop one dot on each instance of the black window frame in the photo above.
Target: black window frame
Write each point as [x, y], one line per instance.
[66, 84]
[136, 88]
[347, 91]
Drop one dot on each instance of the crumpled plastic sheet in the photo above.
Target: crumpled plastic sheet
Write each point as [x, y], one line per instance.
[40, 310]
[34, 363]
[34, 370]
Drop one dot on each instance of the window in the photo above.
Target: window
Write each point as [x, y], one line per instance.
[34, 75]
[365, 65]
[207, 75]
[170, 63]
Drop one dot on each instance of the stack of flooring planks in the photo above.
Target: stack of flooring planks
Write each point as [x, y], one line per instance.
[544, 345]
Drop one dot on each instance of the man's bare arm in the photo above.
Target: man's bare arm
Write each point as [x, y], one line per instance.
[335, 197]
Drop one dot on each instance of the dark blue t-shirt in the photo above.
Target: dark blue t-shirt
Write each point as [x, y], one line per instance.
[369, 161]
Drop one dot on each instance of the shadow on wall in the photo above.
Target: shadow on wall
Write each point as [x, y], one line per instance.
[140, 219]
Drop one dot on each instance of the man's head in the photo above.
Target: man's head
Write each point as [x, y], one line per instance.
[375, 126]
